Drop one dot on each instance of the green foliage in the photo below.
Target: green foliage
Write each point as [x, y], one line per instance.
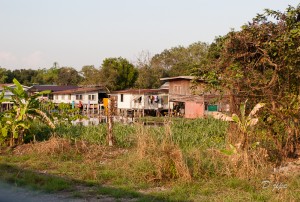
[124, 134]
[53, 75]
[179, 60]
[148, 73]
[90, 75]
[260, 63]
[6, 76]
[118, 73]
[24, 76]
[15, 123]
[202, 133]
[68, 76]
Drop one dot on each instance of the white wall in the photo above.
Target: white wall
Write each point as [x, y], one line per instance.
[126, 104]
[85, 98]
[129, 102]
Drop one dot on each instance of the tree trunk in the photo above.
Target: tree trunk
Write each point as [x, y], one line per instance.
[245, 141]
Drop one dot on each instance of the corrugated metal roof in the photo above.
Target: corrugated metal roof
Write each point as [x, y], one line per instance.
[186, 98]
[80, 90]
[2, 85]
[53, 88]
[166, 85]
[178, 77]
[141, 91]
[11, 85]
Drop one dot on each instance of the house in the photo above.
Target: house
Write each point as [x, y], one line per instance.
[52, 88]
[92, 98]
[188, 98]
[144, 102]
[7, 94]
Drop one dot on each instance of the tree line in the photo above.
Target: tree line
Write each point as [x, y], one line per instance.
[116, 73]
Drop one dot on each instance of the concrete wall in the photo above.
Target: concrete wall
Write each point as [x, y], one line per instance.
[68, 98]
[194, 109]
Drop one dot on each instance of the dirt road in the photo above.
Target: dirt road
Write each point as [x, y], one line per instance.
[10, 193]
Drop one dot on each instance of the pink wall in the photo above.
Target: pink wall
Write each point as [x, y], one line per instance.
[194, 110]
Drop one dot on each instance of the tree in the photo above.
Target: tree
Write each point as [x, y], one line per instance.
[261, 63]
[15, 122]
[90, 75]
[179, 61]
[148, 74]
[24, 76]
[68, 76]
[5, 76]
[118, 74]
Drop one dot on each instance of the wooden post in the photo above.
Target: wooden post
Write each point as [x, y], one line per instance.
[110, 121]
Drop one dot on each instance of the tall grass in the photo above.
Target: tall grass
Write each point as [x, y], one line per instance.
[177, 149]
[200, 133]
[96, 134]
[186, 154]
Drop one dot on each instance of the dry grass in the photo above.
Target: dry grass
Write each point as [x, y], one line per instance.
[246, 164]
[165, 156]
[56, 146]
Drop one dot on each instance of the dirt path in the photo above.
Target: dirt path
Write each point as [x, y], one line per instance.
[10, 193]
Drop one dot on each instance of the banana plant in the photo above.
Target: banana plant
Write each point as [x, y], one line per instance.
[26, 108]
[244, 122]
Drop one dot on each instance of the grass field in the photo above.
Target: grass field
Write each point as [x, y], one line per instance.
[180, 161]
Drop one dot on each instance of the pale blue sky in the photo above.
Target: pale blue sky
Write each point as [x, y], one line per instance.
[36, 33]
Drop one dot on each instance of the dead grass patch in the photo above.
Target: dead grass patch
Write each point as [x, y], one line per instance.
[164, 156]
[56, 146]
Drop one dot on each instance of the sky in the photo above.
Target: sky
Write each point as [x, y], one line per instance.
[36, 33]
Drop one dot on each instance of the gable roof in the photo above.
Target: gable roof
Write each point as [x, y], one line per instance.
[141, 91]
[53, 88]
[2, 85]
[166, 85]
[79, 90]
[181, 78]
[178, 78]
[12, 85]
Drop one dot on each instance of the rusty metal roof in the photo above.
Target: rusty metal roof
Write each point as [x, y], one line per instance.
[178, 78]
[141, 91]
[80, 90]
[53, 88]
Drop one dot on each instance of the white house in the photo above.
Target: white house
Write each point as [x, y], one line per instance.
[145, 101]
[52, 88]
[91, 98]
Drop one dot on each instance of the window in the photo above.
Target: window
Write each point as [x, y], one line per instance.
[56, 97]
[78, 97]
[69, 97]
[177, 89]
[91, 97]
[122, 97]
[62, 97]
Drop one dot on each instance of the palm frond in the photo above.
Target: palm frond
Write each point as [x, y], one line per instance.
[255, 109]
[46, 119]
